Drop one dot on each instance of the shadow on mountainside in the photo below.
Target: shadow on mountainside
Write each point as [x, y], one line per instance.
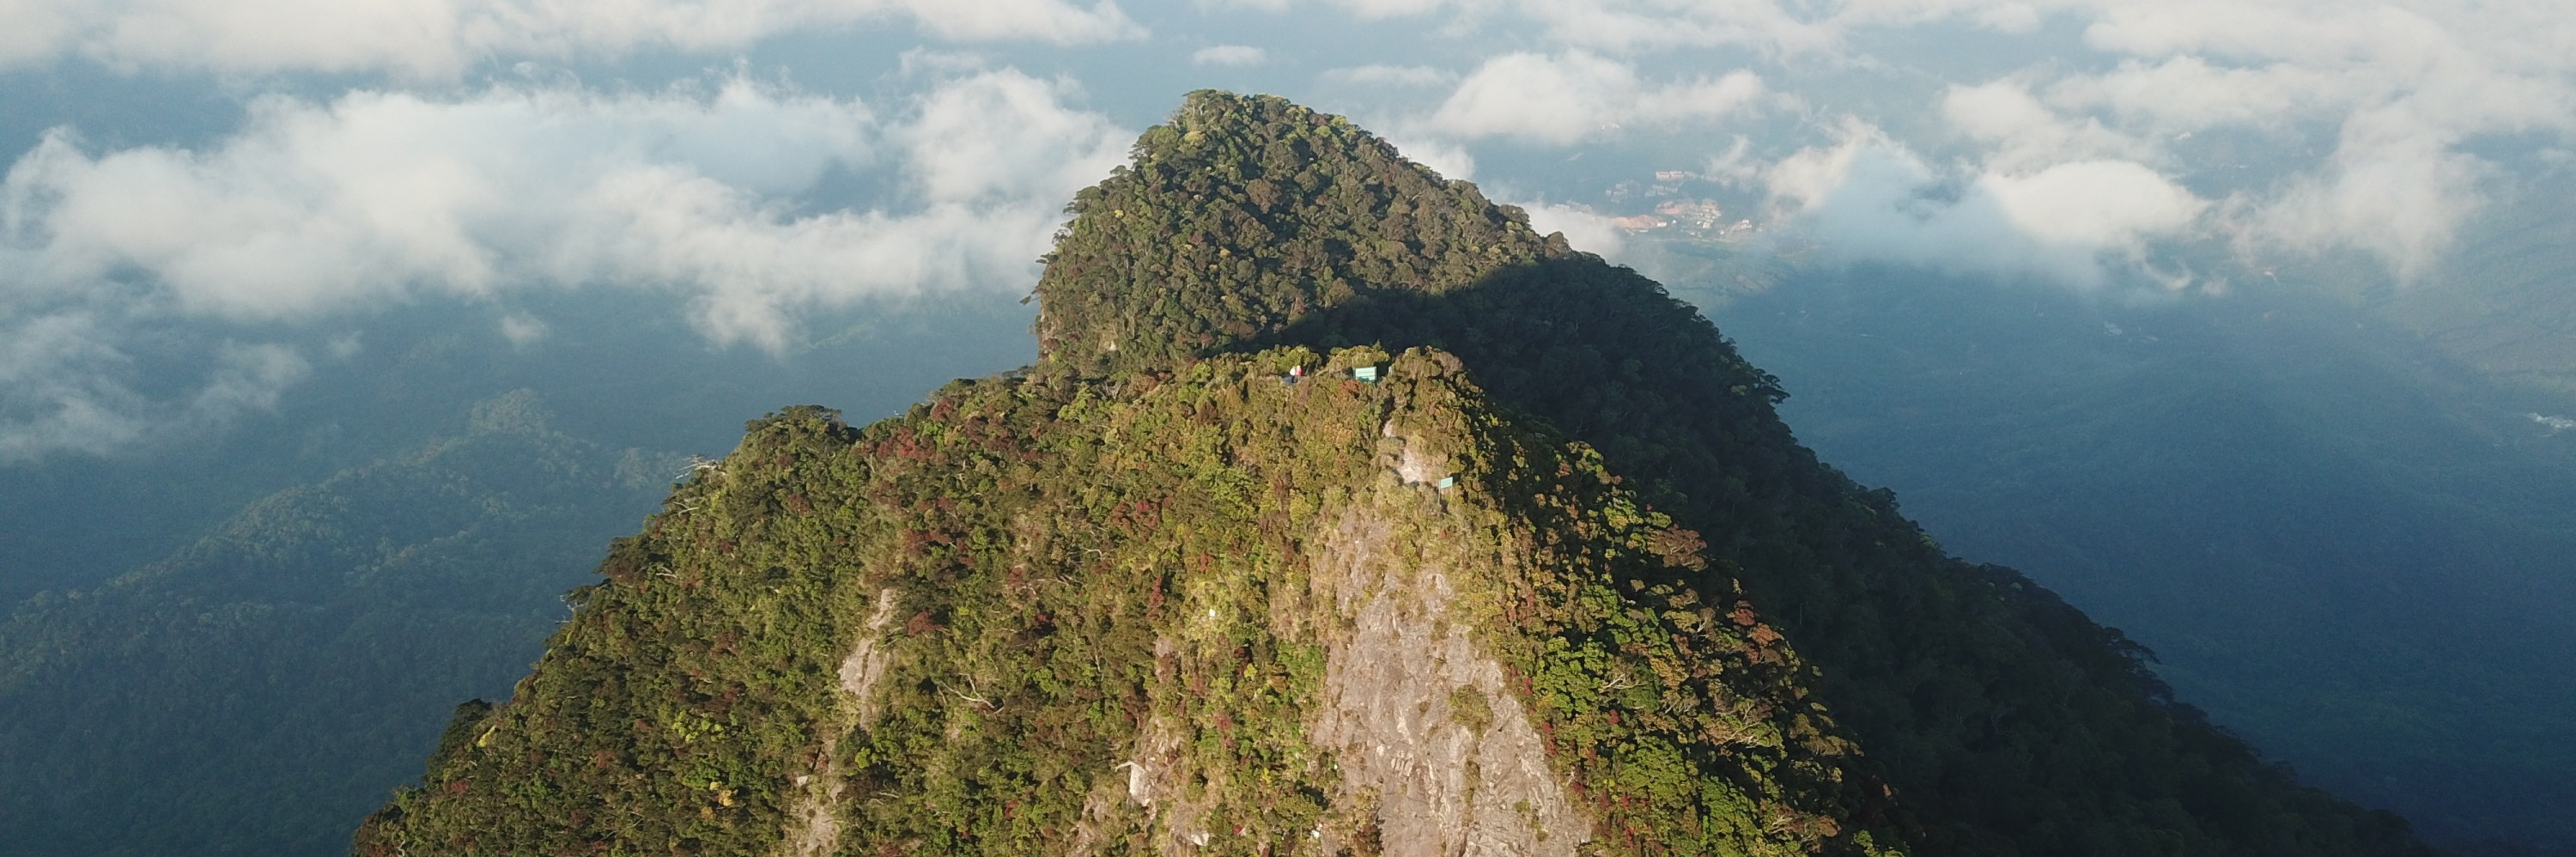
[2008, 721]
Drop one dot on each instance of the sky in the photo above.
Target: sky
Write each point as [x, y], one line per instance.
[207, 199]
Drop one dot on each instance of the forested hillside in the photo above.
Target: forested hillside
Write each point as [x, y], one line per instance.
[1049, 615]
[256, 692]
[386, 443]
[2008, 722]
[1157, 593]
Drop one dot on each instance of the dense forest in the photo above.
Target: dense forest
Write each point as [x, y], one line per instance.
[259, 690]
[2008, 722]
[272, 725]
[1103, 604]
[948, 633]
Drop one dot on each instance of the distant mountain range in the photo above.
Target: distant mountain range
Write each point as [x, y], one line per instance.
[257, 689]
[2346, 547]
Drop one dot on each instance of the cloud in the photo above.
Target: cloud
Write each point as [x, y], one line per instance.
[1566, 98]
[2394, 188]
[316, 211]
[2404, 88]
[1621, 26]
[522, 329]
[2089, 133]
[1007, 138]
[1584, 229]
[2359, 127]
[440, 38]
[1452, 162]
[1229, 55]
[2020, 133]
[2083, 222]
[67, 384]
[315, 208]
[1365, 9]
[1392, 75]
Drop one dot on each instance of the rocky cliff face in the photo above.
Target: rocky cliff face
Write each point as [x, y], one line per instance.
[1194, 583]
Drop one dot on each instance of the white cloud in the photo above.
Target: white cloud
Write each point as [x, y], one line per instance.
[439, 38]
[314, 211]
[1007, 138]
[1452, 162]
[1365, 9]
[2022, 133]
[2394, 188]
[1373, 9]
[2096, 205]
[2081, 222]
[2406, 85]
[522, 329]
[2311, 90]
[1566, 98]
[2187, 93]
[1584, 229]
[2015, 18]
[68, 385]
[2367, 128]
[1229, 55]
[1621, 26]
[1392, 75]
[313, 208]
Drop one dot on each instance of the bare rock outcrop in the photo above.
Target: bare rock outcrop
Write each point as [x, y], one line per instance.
[814, 822]
[1430, 742]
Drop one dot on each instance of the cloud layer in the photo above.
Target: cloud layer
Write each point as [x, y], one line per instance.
[1569, 97]
[2073, 222]
[2401, 89]
[439, 38]
[2307, 126]
[2071, 141]
[320, 210]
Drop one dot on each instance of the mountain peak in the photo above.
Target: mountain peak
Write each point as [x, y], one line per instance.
[1235, 610]
[1245, 213]
[1203, 584]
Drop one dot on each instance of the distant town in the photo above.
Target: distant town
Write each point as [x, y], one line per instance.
[1676, 215]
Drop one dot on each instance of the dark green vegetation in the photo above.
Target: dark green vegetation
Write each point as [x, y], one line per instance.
[258, 690]
[747, 679]
[2372, 574]
[249, 690]
[2008, 722]
[616, 371]
[1155, 570]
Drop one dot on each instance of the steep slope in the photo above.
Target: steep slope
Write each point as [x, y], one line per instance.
[2374, 584]
[255, 692]
[1211, 609]
[1156, 595]
[2007, 722]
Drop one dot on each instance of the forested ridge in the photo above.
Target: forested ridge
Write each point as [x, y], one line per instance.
[1116, 603]
[2008, 721]
[257, 691]
[950, 632]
